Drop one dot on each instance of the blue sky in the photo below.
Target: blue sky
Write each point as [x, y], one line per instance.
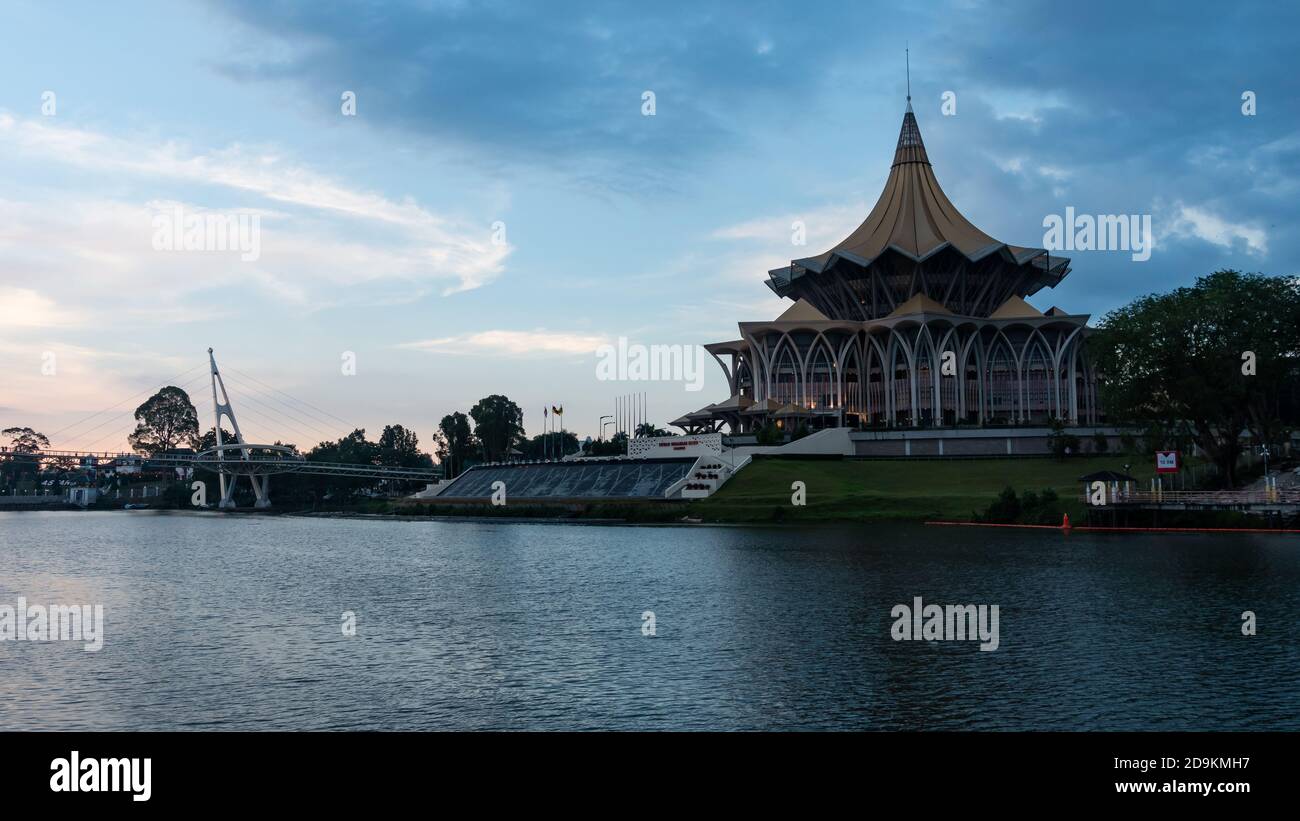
[377, 230]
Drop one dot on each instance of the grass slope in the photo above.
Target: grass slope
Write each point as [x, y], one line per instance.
[903, 489]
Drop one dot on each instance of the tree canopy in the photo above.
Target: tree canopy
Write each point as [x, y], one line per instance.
[400, 447]
[25, 440]
[499, 426]
[1207, 361]
[454, 442]
[167, 420]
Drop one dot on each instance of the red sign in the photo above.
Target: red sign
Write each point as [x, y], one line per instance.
[1166, 461]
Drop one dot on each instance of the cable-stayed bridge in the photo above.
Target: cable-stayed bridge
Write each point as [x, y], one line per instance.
[239, 458]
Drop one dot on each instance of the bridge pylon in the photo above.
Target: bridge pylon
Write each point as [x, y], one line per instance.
[261, 482]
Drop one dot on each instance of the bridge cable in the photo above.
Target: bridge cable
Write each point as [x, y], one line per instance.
[251, 395]
[171, 381]
[131, 413]
[294, 398]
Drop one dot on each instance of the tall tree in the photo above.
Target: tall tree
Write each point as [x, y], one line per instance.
[25, 440]
[453, 442]
[208, 440]
[498, 424]
[1212, 359]
[166, 420]
[551, 445]
[399, 447]
[22, 440]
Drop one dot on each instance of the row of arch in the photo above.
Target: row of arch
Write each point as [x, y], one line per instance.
[925, 374]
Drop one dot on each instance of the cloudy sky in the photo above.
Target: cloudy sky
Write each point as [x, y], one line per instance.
[500, 204]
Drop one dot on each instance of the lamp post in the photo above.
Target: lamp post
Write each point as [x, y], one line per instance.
[603, 423]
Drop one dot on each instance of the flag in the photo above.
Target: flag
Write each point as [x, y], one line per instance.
[557, 411]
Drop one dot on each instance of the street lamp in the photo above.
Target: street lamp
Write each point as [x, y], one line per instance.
[603, 423]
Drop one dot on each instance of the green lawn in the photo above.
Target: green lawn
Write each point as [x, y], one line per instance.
[903, 489]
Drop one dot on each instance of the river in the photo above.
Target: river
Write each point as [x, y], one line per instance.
[237, 622]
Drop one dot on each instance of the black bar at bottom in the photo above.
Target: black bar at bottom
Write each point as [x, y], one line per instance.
[217, 770]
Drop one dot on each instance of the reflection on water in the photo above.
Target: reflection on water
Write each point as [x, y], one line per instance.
[233, 622]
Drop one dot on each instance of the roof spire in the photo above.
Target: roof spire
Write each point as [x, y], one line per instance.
[907, 57]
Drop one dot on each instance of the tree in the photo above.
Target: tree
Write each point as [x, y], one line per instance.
[499, 426]
[1100, 444]
[208, 440]
[551, 445]
[400, 447]
[1060, 443]
[648, 429]
[1212, 359]
[616, 445]
[352, 449]
[22, 440]
[769, 434]
[26, 440]
[453, 442]
[167, 420]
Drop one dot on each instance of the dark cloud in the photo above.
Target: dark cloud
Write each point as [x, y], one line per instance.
[557, 83]
[1133, 105]
[1139, 106]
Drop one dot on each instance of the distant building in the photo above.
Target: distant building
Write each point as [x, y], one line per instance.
[82, 496]
[129, 464]
[917, 319]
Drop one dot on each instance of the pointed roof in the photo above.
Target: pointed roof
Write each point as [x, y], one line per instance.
[802, 311]
[1015, 308]
[915, 219]
[919, 304]
[766, 406]
[910, 148]
[735, 403]
[913, 215]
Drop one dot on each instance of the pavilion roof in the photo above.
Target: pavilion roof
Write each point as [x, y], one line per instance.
[919, 304]
[802, 311]
[1015, 308]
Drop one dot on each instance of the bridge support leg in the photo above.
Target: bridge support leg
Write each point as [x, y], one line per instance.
[227, 492]
[262, 491]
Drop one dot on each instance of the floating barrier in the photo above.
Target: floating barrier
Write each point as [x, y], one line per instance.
[1065, 527]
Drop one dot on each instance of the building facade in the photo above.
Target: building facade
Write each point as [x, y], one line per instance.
[917, 319]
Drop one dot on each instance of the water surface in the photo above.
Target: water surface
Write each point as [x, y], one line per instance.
[234, 622]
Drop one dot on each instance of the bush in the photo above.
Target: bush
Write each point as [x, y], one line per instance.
[769, 434]
[1060, 443]
[1043, 508]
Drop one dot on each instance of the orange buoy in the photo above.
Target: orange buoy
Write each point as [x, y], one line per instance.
[1065, 524]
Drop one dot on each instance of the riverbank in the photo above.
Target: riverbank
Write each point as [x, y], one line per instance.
[875, 490]
[834, 491]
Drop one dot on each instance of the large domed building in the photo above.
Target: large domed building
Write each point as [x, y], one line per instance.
[917, 319]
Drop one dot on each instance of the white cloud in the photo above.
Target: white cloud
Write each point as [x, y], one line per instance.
[1196, 221]
[768, 242]
[1024, 106]
[26, 308]
[534, 343]
[424, 245]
